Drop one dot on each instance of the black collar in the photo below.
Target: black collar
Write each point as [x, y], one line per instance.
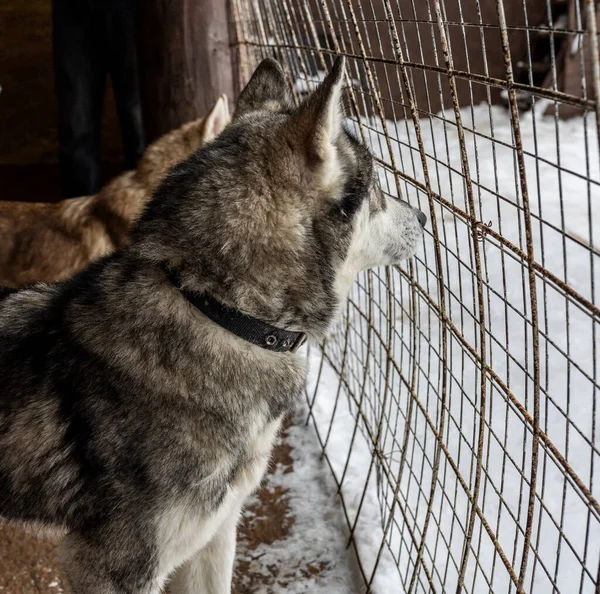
[255, 331]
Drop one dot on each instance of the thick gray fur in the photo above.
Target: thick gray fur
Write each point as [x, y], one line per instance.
[135, 426]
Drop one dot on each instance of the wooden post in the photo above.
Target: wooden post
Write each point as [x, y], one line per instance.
[185, 60]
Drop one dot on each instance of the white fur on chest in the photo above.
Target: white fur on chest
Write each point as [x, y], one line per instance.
[184, 529]
[261, 438]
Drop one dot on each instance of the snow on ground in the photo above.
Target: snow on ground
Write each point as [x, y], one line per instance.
[564, 193]
[312, 556]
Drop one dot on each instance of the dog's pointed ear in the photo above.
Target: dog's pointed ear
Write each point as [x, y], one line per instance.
[268, 89]
[216, 119]
[319, 120]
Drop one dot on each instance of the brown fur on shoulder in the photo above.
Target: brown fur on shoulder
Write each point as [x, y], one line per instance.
[51, 242]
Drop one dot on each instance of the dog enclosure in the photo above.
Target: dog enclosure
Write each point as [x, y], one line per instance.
[457, 403]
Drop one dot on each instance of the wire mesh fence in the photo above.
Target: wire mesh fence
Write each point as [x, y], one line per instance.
[456, 404]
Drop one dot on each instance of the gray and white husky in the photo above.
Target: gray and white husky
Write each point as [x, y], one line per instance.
[139, 400]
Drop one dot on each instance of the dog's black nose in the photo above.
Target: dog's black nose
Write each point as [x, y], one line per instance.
[422, 218]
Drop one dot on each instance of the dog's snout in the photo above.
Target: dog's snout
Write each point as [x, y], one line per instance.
[422, 218]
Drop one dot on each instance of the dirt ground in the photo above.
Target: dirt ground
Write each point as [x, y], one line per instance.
[30, 566]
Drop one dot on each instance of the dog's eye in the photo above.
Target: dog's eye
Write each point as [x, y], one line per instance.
[343, 213]
[350, 203]
[356, 191]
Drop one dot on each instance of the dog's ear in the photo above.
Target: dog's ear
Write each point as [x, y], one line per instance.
[268, 90]
[319, 119]
[216, 119]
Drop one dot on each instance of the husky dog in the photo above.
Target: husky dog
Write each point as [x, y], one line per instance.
[51, 242]
[140, 399]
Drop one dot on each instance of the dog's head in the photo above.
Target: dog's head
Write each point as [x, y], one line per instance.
[278, 215]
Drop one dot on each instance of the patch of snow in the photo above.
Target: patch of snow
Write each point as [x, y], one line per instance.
[305, 84]
[313, 556]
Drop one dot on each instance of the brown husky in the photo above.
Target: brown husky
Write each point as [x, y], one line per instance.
[139, 400]
[51, 242]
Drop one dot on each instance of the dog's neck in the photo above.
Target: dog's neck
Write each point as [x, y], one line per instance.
[282, 309]
[251, 329]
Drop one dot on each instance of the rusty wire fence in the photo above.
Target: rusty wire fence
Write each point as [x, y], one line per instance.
[457, 403]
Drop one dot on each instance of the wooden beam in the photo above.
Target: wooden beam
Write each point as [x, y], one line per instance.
[185, 60]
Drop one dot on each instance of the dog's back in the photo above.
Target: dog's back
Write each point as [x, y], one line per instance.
[51, 242]
[34, 435]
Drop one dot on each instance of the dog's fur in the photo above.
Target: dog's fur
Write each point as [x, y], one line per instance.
[129, 420]
[51, 242]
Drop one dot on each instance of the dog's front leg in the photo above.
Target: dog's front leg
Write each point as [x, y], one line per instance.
[210, 570]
